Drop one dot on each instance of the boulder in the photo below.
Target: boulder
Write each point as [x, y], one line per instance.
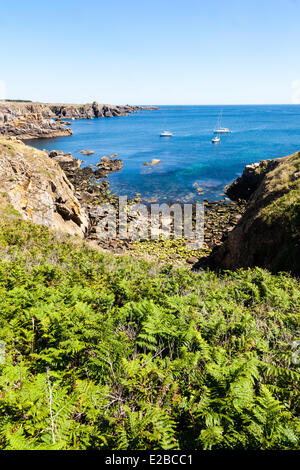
[67, 162]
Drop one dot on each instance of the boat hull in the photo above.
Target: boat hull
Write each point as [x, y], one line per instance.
[222, 131]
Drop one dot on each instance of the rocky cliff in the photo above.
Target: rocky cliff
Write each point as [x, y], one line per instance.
[268, 234]
[37, 188]
[91, 111]
[244, 186]
[28, 120]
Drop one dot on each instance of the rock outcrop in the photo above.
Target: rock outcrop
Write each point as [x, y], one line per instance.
[89, 182]
[268, 234]
[107, 166]
[72, 166]
[36, 186]
[244, 186]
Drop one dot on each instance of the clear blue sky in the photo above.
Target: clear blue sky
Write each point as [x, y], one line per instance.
[151, 51]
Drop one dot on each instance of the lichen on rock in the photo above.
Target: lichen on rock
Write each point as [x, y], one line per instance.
[36, 187]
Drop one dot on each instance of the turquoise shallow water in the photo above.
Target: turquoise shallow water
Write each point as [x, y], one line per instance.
[189, 157]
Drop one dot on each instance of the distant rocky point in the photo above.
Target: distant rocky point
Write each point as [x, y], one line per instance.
[27, 120]
[17, 101]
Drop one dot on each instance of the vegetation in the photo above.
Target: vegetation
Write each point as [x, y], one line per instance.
[106, 352]
[284, 186]
[166, 250]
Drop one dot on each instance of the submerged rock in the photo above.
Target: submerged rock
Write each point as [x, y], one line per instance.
[87, 152]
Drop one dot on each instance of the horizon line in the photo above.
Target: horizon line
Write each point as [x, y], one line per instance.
[149, 104]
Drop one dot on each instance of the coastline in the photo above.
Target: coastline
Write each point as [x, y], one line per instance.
[90, 189]
[34, 120]
[222, 218]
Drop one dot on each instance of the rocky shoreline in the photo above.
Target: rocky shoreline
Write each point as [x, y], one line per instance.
[27, 120]
[91, 189]
[68, 199]
[258, 227]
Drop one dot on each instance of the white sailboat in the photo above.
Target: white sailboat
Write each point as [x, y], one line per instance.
[222, 130]
[219, 129]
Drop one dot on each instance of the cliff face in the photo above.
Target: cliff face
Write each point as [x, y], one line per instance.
[268, 234]
[35, 186]
[91, 111]
[39, 120]
[244, 186]
[30, 121]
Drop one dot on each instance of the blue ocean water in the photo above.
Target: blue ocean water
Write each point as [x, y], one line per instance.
[258, 132]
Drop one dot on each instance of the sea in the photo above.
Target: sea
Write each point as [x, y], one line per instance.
[191, 168]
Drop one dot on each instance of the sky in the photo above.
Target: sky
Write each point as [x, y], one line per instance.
[151, 51]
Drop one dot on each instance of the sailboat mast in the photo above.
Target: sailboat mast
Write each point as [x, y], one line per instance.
[220, 119]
